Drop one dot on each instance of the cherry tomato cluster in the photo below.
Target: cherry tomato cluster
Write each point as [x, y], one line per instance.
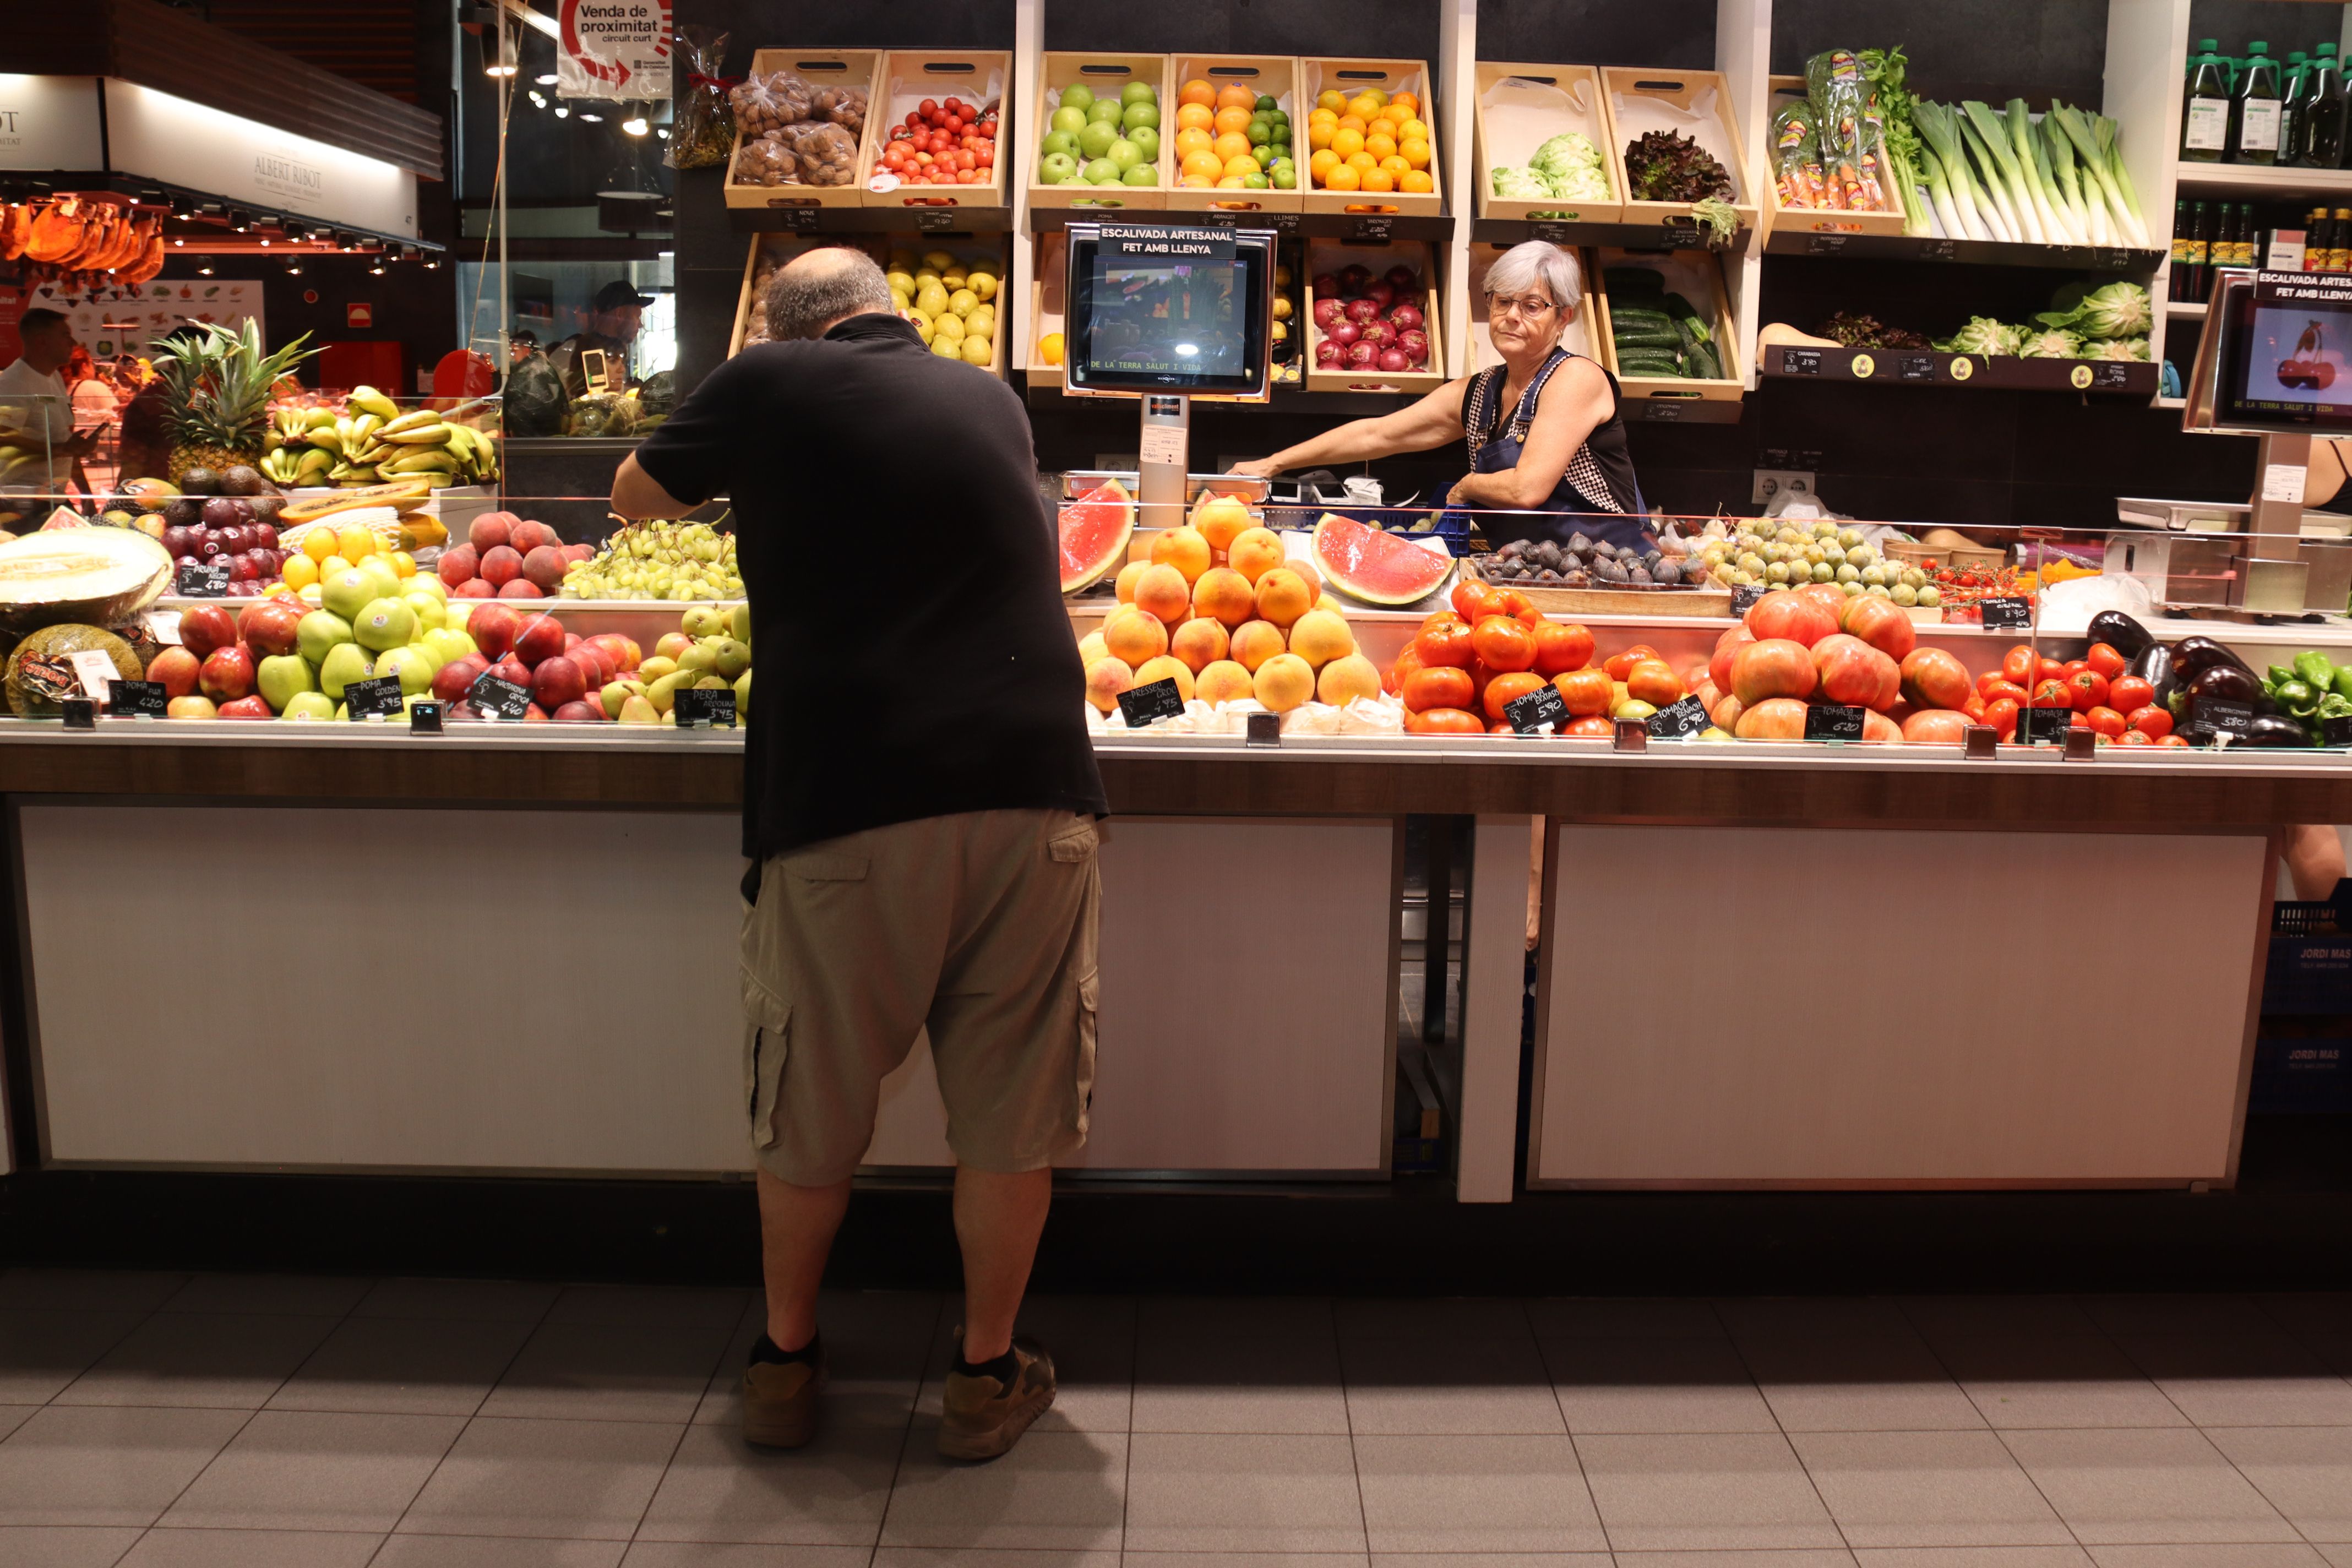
[943, 142]
[2120, 708]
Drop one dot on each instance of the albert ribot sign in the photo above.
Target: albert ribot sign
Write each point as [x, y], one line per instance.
[614, 48]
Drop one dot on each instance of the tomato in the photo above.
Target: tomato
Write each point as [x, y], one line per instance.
[1474, 601]
[1560, 649]
[928, 108]
[1503, 643]
[1406, 663]
[1603, 727]
[2000, 688]
[1618, 664]
[1439, 686]
[2172, 741]
[2135, 738]
[1449, 646]
[1587, 693]
[2047, 693]
[2078, 722]
[2051, 669]
[1974, 708]
[2074, 664]
[1445, 721]
[2001, 714]
[2104, 658]
[2018, 667]
[1505, 689]
[1651, 681]
[2089, 687]
[2153, 722]
[2130, 693]
[2105, 720]
[1514, 604]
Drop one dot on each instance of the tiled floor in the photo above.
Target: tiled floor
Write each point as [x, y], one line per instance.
[260, 1422]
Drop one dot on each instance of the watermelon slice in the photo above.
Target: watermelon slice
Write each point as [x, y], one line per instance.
[1095, 531]
[1376, 567]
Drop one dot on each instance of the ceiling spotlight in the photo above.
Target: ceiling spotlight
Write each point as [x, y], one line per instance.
[239, 219]
[264, 240]
[346, 241]
[663, 133]
[205, 269]
[408, 253]
[431, 263]
[296, 233]
[537, 98]
[179, 242]
[635, 125]
[592, 119]
[293, 267]
[183, 207]
[561, 112]
[375, 269]
[547, 80]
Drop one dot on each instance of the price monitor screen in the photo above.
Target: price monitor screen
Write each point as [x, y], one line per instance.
[2285, 360]
[1159, 308]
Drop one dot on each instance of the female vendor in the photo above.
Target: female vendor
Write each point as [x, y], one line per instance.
[1548, 456]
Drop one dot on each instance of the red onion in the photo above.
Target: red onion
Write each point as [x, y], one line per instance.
[1405, 317]
[1380, 334]
[1394, 360]
[1344, 334]
[1382, 294]
[1362, 311]
[1353, 278]
[1327, 310]
[1328, 354]
[1362, 356]
[1403, 277]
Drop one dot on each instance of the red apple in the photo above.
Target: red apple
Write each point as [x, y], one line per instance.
[556, 682]
[474, 589]
[512, 668]
[455, 678]
[227, 673]
[246, 708]
[580, 713]
[490, 530]
[269, 627]
[501, 565]
[520, 589]
[459, 564]
[190, 707]
[494, 628]
[615, 648]
[203, 628]
[537, 638]
[174, 669]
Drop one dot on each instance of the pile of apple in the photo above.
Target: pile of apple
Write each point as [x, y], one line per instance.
[509, 557]
[565, 673]
[1364, 323]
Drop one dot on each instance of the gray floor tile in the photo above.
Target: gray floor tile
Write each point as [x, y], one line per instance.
[86, 1290]
[1624, 1318]
[1842, 1316]
[1655, 1385]
[1490, 1560]
[410, 1366]
[1857, 1384]
[1940, 1318]
[1092, 1341]
[2338, 1556]
[721, 1489]
[14, 1415]
[2306, 1472]
[1232, 1492]
[1475, 1494]
[1253, 1560]
[1060, 1489]
[307, 1470]
[610, 1371]
[2222, 1312]
[714, 1554]
[1400, 1387]
[2217, 1555]
[1926, 1489]
[63, 1546]
[1791, 1557]
[1703, 1492]
[42, 1351]
[552, 1480]
[1215, 1365]
[2135, 1487]
[106, 1467]
[490, 1551]
[500, 1300]
[1431, 1317]
[2069, 1556]
[232, 1361]
[669, 1306]
[251, 1549]
[292, 1295]
[2066, 1380]
[2243, 1380]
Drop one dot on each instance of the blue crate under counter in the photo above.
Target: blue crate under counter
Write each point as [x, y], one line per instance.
[2302, 1075]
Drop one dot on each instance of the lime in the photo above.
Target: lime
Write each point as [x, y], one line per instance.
[1254, 181]
[1265, 105]
[1260, 132]
[1283, 179]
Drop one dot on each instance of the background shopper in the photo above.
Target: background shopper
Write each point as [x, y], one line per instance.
[923, 843]
[35, 399]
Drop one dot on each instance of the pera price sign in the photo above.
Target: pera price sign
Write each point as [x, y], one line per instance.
[702, 709]
[377, 699]
[496, 697]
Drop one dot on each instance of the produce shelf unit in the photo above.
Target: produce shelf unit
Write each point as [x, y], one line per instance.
[1989, 373]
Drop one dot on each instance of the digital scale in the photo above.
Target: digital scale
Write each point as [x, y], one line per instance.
[1165, 314]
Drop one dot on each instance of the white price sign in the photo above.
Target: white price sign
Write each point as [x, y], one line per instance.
[614, 48]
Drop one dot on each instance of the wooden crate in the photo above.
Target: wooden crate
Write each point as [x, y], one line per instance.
[1696, 276]
[1046, 305]
[1613, 600]
[1818, 220]
[1103, 74]
[1693, 103]
[1331, 255]
[993, 249]
[910, 76]
[1576, 337]
[820, 67]
[782, 247]
[1507, 133]
[1272, 76]
[1316, 77]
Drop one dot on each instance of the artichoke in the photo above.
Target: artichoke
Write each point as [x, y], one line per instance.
[2051, 343]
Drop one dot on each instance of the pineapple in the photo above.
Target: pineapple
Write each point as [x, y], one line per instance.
[218, 396]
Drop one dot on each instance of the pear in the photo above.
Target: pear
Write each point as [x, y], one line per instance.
[652, 669]
[702, 656]
[663, 691]
[637, 710]
[740, 622]
[743, 697]
[704, 621]
[730, 657]
[615, 696]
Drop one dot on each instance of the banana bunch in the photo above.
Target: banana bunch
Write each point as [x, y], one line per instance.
[372, 442]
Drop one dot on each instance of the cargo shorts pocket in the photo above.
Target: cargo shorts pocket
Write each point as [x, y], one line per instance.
[828, 867]
[1075, 844]
[1089, 998]
[767, 1041]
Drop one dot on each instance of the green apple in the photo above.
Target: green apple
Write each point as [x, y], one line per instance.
[317, 631]
[281, 678]
[429, 610]
[413, 666]
[347, 592]
[704, 621]
[1104, 111]
[423, 583]
[1136, 93]
[344, 663]
[1063, 141]
[1101, 172]
[1067, 121]
[1096, 139]
[1125, 154]
[449, 645]
[387, 581]
[1141, 175]
[1147, 142]
[384, 623]
[1079, 96]
[313, 705]
[1139, 117]
[1053, 168]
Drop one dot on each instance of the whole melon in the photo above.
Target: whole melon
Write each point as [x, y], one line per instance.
[41, 674]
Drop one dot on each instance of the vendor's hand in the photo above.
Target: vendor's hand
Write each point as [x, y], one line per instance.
[1460, 494]
[1256, 468]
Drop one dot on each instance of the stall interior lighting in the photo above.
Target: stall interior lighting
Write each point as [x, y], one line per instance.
[538, 99]
[376, 270]
[205, 269]
[592, 119]
[561, 112]
[293, 267]
[636, 125]
[547, 80]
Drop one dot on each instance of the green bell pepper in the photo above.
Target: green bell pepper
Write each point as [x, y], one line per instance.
[2315, 667]
[2280, 674]
[2296, 699]
[2343, 681]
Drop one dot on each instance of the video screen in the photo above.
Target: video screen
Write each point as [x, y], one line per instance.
[2293, 362]
[1162, 319]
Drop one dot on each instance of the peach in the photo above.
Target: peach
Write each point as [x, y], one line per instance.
[1167, 668]
[1105, 679]
[1319, 637]
[1223, 681]
[1255, 642]
[1128, 575]
[1198, 644]
[1347, 678]
[1183, 548]
[1224, 595]
[1283, 595]
[1134, 636]
[1165, 591]
[1091, 647]
[1220, 519]
[1253, 552]
[1283, 683]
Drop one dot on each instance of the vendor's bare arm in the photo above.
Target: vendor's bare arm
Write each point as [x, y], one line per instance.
[637, 495]
[1434, 421]
[1574, 403]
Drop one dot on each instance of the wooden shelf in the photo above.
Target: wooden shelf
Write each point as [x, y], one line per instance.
[1371, 227]
[1987, 372]
[2262, 181]
[1964, 252]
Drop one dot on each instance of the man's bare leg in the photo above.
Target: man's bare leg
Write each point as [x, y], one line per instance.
[796, 1230]
[998, 1219]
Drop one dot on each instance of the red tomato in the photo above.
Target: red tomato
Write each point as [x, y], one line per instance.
[2153, 722]
[928, 108]
[1561, 648]
[2130, 693]
[2017, 666]
[1996, 685]
[2078, 722]
[1974, 708]
[1618, 664]
[2074, 664]
[1513, 602]
[2171, 741]
[2047, 693]
[2090, 689]
[1503, 643]
[1603, 727]
[2051, 669]
[2105, 661]
[2105, 720]
[1447, 645]
[2134, 737]
[2001, 714]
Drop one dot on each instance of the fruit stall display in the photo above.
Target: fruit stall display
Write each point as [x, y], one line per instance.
[802, 129]
[1677, 145]
[1468, 664]
[1740, 553]
[217, 387]
[911, 95]
[1666, 329]
[1586, 576]
[363, 438]
[1372, 318]
[1372, 145]
[1265, 86]
[1100, 140]
[951, 291]
[1541, 141]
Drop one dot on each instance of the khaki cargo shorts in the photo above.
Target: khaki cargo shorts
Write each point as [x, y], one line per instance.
[980, 925]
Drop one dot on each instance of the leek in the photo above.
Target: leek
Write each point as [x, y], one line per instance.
[1991, 145]
[1947, 173]
[2094, 137]
[2054, 228]
[2113, 167]
[2088, 217]
[2006, 222]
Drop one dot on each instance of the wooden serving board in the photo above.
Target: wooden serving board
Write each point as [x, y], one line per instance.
[1614, 601]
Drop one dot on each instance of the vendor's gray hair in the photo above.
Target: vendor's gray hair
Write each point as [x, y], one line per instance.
[813, 291]
[1538, 261]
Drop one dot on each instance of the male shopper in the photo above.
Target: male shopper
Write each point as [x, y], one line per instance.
[614, 318]
[35, 402]
[918, 804]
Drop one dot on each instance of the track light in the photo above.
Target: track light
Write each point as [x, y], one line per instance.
[561, 112]
[375, 269]
[205, 269]
[239, 219]
[592, 119]
[547, 80]
[537, 98]
[635, 125]
[293, 267]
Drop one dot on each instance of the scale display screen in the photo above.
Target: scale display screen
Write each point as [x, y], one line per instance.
[2286, 353]
[1159, 308]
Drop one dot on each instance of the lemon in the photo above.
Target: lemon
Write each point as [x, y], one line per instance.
[962, 301]
[933, 301]
[949, 328]
[938, 260]
[978, 351]
[922, 325]
[900, 279]
[946, 348]
[982, 283]
[1049, 348]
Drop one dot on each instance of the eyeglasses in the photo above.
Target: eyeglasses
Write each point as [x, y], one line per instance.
[1530, 309]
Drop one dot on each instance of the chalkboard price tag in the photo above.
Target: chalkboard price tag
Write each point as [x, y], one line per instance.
[1143, 706]
[2337, 731]
[2044, 726]
[1745, 594]
[377, 699]
[424, 718]
[80, 714]
[796, 219]
[2005, 615]
[703, 709]
[1680, 233]
[1281, 222]
[1825, 245]
[208, 581]
[2110, 373]
[1678, 719]
[1801, 362]
[935, 220]
[1915, 367]
[1662, 408]
[1833, 721]
[2117, 260]
[1376, 230]
[2230, 718]
[494, 697]
[1265, 729]
[1939, 250]
[139, 700]
[1552, 231]
[1540, 708]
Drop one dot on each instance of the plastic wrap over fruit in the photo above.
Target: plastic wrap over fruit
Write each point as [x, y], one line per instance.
[843, 106]
[1372, 716]
[765, 103]
[824, 153]
[766, 160]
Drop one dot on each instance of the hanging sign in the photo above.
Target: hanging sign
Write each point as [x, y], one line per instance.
[613, 49]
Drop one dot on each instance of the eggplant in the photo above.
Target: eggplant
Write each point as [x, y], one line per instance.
[2197, 732]
[2272, 730]
[2153, 664]
[2193, 655]
[2121, 633]
[2226, 683]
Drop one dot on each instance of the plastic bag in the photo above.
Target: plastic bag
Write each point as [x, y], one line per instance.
[823, 152]
[766, 160]
[1833, 88]
[1796, 158]
[843, 106]
[536, 403]
[765, 103]
[704, 128]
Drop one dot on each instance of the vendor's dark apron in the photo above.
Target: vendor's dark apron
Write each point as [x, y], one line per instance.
[1585, 500]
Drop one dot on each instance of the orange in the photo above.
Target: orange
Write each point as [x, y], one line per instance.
[1409, 100]
[318, 543]
[1233, 94]
[1204, 164]
[1190, 141]
[1380, 145]
[1411, 129]
[1355, 123]
[1191, 115]
[1416, 182]
[1366, 104]
[1347, 143]
[1414, 152]
[1195, 181]
[354, 544]
[1395, 166]
[1379, 180]
[1237, 167]
[1233, 144]
[1362, 163]
[1196, 92]
[1233, 120]
[1342, 178]
[299, 571]
[1335, 100]
[1230, 183]
[1318, 136]
[1323, 117]
[1322, 163]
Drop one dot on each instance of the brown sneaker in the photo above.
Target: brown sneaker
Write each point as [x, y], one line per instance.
[980, 1417]
[780, 1403]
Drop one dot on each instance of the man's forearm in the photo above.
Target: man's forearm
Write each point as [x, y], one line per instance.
[635, 494]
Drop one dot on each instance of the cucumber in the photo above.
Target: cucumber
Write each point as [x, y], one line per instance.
[1651, 363]
[1641, 312]
[1702, 363]
[1665, 339]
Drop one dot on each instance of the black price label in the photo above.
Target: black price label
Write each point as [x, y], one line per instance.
[1375, 228]
[2230, 718]
[1662, 408]
[379, 698]
[1678, 719]
[1681, 233]
[80, 714]
[935, 220]
[796, 219]
[1915, 367]
[1530, 714]
[496, 697]
[1825, 245]
[2116, 260]
[2005, 615]
[2337, 731]
[1833, 721]
[138, 700]
[704, 709]
[1142, 706]
[1281, 222]
[1745, 594]
[1552, 231]
[424, 718]
[2044, 726]
[1801, 362]
[1940, 249]
[208, 581]
[2110, 373]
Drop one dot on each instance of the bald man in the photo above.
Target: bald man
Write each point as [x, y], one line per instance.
[921, 831]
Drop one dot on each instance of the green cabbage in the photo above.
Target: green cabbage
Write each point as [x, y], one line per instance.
[2116, 348]
[1581, 185]
[2113, 310]
[2051, 343]
[1520, 185]
[1982, 335]
[1564, 153]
